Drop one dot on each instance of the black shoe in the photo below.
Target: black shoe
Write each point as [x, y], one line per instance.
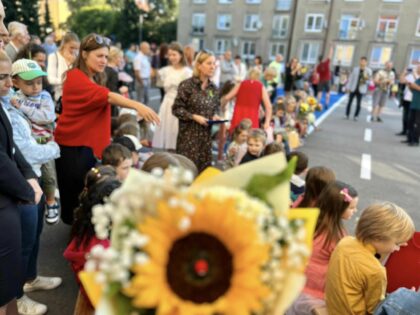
[402, 133]
[413, 144]
[378, 119]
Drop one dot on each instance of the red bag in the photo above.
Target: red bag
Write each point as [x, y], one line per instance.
[403, 267]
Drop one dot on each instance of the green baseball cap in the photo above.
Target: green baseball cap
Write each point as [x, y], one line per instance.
[27, 69]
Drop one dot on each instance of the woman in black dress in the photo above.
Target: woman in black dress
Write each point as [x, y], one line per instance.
[196, 103]
[292, 75]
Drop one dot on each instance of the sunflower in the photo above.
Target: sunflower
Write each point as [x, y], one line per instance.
[210, 265]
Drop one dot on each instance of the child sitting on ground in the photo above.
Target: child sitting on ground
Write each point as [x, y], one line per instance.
[37, 105]
[119, 157]
[297, 182]
[100, 182]
[256, 144]
[133, 144]
[337, 202]
[318, 177]
[356, 279]
[238, 147]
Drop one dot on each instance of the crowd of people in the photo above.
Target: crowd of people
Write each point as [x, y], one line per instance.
[75, 119]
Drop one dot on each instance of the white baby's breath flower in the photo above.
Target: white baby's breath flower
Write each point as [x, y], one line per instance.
[184, 224]
[141, 258]
[173, 202]
[100, 278]
[90, 266]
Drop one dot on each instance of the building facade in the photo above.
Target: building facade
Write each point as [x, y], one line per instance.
[381, 30]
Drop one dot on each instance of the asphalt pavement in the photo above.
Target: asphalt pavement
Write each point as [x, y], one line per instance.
[394, 172]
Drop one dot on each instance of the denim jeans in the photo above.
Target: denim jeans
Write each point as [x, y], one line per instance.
[32, 219]
[401, 302]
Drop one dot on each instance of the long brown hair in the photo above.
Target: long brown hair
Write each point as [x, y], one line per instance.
[88, 44]
[318, 177]
[332, 205]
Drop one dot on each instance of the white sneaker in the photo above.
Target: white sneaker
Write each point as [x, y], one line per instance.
[42, 283]
[26, 306]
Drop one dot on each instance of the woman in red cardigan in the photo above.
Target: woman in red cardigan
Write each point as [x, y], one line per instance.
[83, 129]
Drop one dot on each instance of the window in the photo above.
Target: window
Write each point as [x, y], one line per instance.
[224, 21]
[198, 23]
[344, 55]
[309, 52]
[283, 5]
[253, 1]
[199, 1]
[314, 23]
[225, 1]
[275, 49]
[197, 43]
[414, 57]
[252, 22]
[221, 45]
[349, 25]
[387, 28]
[280, 26]
[418, 28]
[380, 55]
[248, 49]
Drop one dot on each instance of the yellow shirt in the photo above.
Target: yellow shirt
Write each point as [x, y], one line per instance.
[356, 280]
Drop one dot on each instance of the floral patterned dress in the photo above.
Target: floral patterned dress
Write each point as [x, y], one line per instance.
[194, 140]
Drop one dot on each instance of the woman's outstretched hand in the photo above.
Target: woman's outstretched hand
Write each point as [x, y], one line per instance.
[148, 114]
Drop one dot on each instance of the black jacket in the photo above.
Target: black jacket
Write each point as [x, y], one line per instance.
[14, 170]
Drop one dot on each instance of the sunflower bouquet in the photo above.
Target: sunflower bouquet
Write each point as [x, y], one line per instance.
[313, 103]
[225, 245]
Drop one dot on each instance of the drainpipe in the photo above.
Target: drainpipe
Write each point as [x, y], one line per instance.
[327, 32]
[292, 29]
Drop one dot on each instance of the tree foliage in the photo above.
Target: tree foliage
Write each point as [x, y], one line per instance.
[24, 11]
[159, 25]
[93, 19]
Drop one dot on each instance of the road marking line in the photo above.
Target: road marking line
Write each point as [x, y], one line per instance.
[153, 98]
[368, 135]
[365, 171]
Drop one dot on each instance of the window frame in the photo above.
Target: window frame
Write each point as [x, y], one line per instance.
[204, 24]
[346, 63]
[279, 8]
[314, 16]
[379, 65]
[280, 17]
[251, 43]
[309, 60]
[218, 22]
[382, 18]
[252, 22]
[351, 18]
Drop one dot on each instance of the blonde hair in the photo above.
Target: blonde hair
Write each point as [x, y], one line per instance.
[270, 71]
[200, 59]
[254, 74]
[4, 57]
[258, 135]
[384, 221]
[114, 53]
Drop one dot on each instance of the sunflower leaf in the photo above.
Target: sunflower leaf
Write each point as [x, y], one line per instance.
[261, 184]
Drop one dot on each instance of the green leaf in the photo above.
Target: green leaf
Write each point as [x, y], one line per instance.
[261, 184]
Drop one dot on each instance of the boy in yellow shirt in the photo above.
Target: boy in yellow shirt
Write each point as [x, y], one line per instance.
[356, 279]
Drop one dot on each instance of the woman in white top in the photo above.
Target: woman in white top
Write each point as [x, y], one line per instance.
[60, 61]
[166, 133]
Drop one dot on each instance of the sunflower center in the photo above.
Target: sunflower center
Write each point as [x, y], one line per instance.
[200, 268]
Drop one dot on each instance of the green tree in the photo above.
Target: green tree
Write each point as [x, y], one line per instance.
[47, 27]
[98, 19]
[127, 30]
[160, 23]
[23, 11]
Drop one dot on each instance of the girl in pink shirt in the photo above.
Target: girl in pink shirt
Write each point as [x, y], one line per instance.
[337, 202]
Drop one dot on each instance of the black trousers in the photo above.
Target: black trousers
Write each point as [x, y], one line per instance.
[406, 111]
[358, 103]
[414, 126]
[72, 167]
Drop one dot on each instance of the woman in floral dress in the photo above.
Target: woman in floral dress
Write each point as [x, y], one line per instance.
[196, 103]
[171, 76]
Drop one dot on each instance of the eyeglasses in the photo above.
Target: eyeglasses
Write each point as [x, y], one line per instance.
[101, 40]
[5, 76]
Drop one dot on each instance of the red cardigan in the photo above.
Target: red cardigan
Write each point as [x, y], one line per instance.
[86, 116]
